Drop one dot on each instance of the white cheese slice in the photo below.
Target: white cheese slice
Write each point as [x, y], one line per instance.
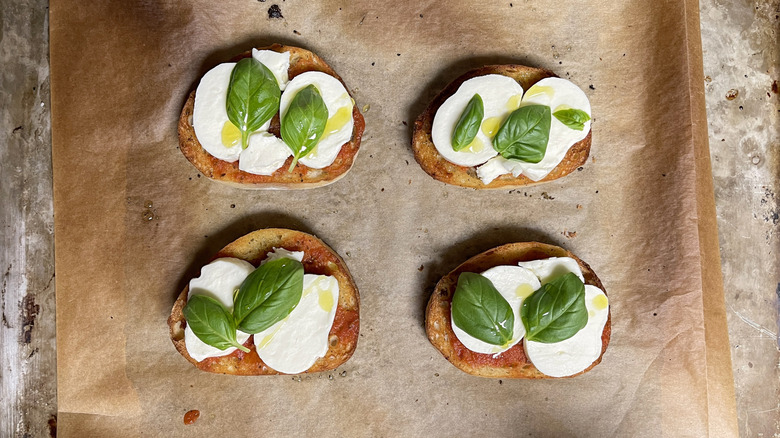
[293, 344]
[552, 268]
[265, 154]
[577, 353]
[514, 284]
[278, 63]
[497, 93]
[558, 94]
[209, 113]
[491, 170]
[340, 120]
[281, 253]
[219, 280]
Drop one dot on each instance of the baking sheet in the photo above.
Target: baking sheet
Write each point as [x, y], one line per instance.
[640, 212]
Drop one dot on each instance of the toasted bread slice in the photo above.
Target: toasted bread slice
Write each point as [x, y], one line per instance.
[438, 167]
[512, 363]
[301, 177]
[318, 259]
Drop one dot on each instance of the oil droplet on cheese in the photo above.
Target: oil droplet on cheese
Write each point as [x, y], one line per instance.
[270, 337]
[561, 108]
[524, 291]
[326, 300]
[514, 102]
[338, 121]
[600, 302]
[476, 145]
[490, 126]
[231, 135]
[540, 89]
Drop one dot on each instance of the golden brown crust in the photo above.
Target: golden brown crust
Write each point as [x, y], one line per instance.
[301, 177]
[436, 166]
[512, 363]
[318, 258]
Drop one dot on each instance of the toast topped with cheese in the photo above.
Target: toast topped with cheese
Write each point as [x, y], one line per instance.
[274, 301]
[249, 122]
[503, 126]
[522, 310]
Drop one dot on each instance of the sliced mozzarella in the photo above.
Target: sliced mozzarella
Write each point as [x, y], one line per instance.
[577, 353]
[278, 63]
[552, 268]
[340, 122]
[219, 280]
[558, 94]
[293, 344]
[265, 154]
[491, 170]
[281, 253]
[497, 93]
[514, 284]
[209, 114]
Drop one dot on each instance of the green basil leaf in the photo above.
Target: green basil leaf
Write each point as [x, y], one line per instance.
[468, 124]
[252, 98]
[573, 118]
[556, 311]
[268, 295]
[211, 323]
[480, 310]
[304, 122]
[524, 134]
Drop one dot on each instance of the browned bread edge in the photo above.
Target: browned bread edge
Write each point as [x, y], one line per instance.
[439, 168]
[318, 258]
[512, 363]
[302, 177]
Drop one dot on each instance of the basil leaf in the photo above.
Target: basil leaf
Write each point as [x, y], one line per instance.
[268, 295]
[304, 122]
[252, 98]
[524, 134]
[573, 118]
[468, 124]
[555, 312]
[211, 323]
[480, 310]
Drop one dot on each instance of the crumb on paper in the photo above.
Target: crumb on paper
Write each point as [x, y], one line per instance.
[569, 234]
[191, 416]
[275, 12]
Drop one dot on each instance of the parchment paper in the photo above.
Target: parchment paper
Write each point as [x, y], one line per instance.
[134, 220]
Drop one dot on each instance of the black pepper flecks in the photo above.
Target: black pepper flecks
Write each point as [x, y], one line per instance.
[275, 12]
[592, 87]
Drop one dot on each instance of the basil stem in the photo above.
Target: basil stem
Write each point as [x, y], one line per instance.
[524, 134]
[479, 310]
[253, 97]
[211, 323]
[468, 124]
[268, 295]
[573, 118]
[304, 122]
[556, 311]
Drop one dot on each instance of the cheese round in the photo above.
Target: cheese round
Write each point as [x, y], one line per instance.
[499, 94]
[338, 129]
[514, 284]
[573, 355]
[219, 280]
